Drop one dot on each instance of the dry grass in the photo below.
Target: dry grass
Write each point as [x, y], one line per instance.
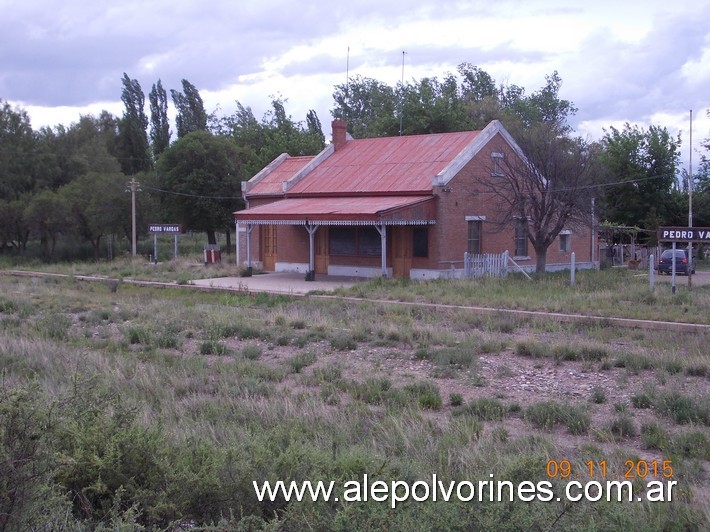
[308, 386]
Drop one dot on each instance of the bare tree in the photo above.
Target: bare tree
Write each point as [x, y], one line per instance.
[545, 186]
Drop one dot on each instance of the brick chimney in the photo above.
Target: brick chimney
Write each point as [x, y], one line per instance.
[340, 132]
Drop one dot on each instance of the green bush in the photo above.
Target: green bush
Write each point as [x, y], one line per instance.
[211, 347]
[301, 360]
[484, 409]
[577, 420]
[455, 399]
[641, 400]
[694, 444]
[29, 497]
[684, 409]
[546, 415]
[598, 395]
[251, 352]
[654, 436]
[138, 335]
[622, 427]
[426, 393]
[53, 326]
[328, 374]
[343, 342]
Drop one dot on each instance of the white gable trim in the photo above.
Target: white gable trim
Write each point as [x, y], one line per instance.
[470, 151]
[303, 172]
[247, 185]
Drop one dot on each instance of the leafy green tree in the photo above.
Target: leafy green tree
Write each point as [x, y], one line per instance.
[14, 230]
[17, 153]
[98, 206]
[191, 115]
[200, 175]
[477, 84]
[430, 106]
[277, 133]
[160, 125]
[315, 129]
[643, 164]
[368, 106]
[133, 138]
[89, 145]
[542, 107]
[47, 215]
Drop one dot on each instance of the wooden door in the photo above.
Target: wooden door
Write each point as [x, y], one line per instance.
[321, 250]
[401, 251]
[268, 247]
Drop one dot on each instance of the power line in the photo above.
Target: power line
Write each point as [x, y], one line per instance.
[185, 194]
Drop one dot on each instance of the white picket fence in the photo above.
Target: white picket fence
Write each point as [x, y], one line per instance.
[485, 265]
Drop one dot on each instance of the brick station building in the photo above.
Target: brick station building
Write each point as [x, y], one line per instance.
[407, 206]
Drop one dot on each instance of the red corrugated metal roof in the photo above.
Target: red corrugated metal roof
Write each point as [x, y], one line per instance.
[387, 165]
[270, 182]
[375, 208]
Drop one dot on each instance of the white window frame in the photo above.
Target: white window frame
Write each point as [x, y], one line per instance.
[497, 159]
[518, 222]
[470, 219]
[565, 239]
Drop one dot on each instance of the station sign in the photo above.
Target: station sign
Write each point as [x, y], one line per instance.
[165, 229]
[684, 234]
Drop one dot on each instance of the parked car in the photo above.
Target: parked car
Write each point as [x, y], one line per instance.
[665, 262]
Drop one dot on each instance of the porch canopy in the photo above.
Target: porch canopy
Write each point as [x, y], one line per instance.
[312, 212]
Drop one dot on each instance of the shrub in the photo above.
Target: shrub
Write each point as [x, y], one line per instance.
[623, 427]
[653, 436]
[641, 400]
[343, 342]
[53, 326]
[251, 352]
[531, 349]
[577, 420]
[426, 393]
[694, 444]
[138, 335]
[683, 409]
[545, 415]
[328, 374]
[7, 305]
[484, 409]
[210, 347]
[301, 360]
[372, 391]
[598, 395]
[455, 399]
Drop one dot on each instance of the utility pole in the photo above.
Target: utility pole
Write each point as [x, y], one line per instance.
[133, 187]
[690, 204]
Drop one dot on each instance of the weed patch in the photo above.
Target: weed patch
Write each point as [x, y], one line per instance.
[483, 409]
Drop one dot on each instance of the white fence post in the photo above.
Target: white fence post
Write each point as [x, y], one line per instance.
[651, 270]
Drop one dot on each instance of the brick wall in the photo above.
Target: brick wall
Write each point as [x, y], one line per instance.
[448, 238]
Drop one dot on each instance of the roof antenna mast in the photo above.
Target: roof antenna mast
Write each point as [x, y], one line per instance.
[401, 98]
[347, 78]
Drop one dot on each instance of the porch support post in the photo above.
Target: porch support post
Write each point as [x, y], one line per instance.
[249, 270]
[382, 229]
[311, 273]
[236, 243]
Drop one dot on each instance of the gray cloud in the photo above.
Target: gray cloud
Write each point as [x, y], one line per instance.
[74, 53]
[622, 81]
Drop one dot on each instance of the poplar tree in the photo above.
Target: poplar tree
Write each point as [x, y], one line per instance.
[160, 125]
[133, 139]
[191, 115]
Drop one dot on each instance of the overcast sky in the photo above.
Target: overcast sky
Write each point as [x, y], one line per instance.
[637, 61]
